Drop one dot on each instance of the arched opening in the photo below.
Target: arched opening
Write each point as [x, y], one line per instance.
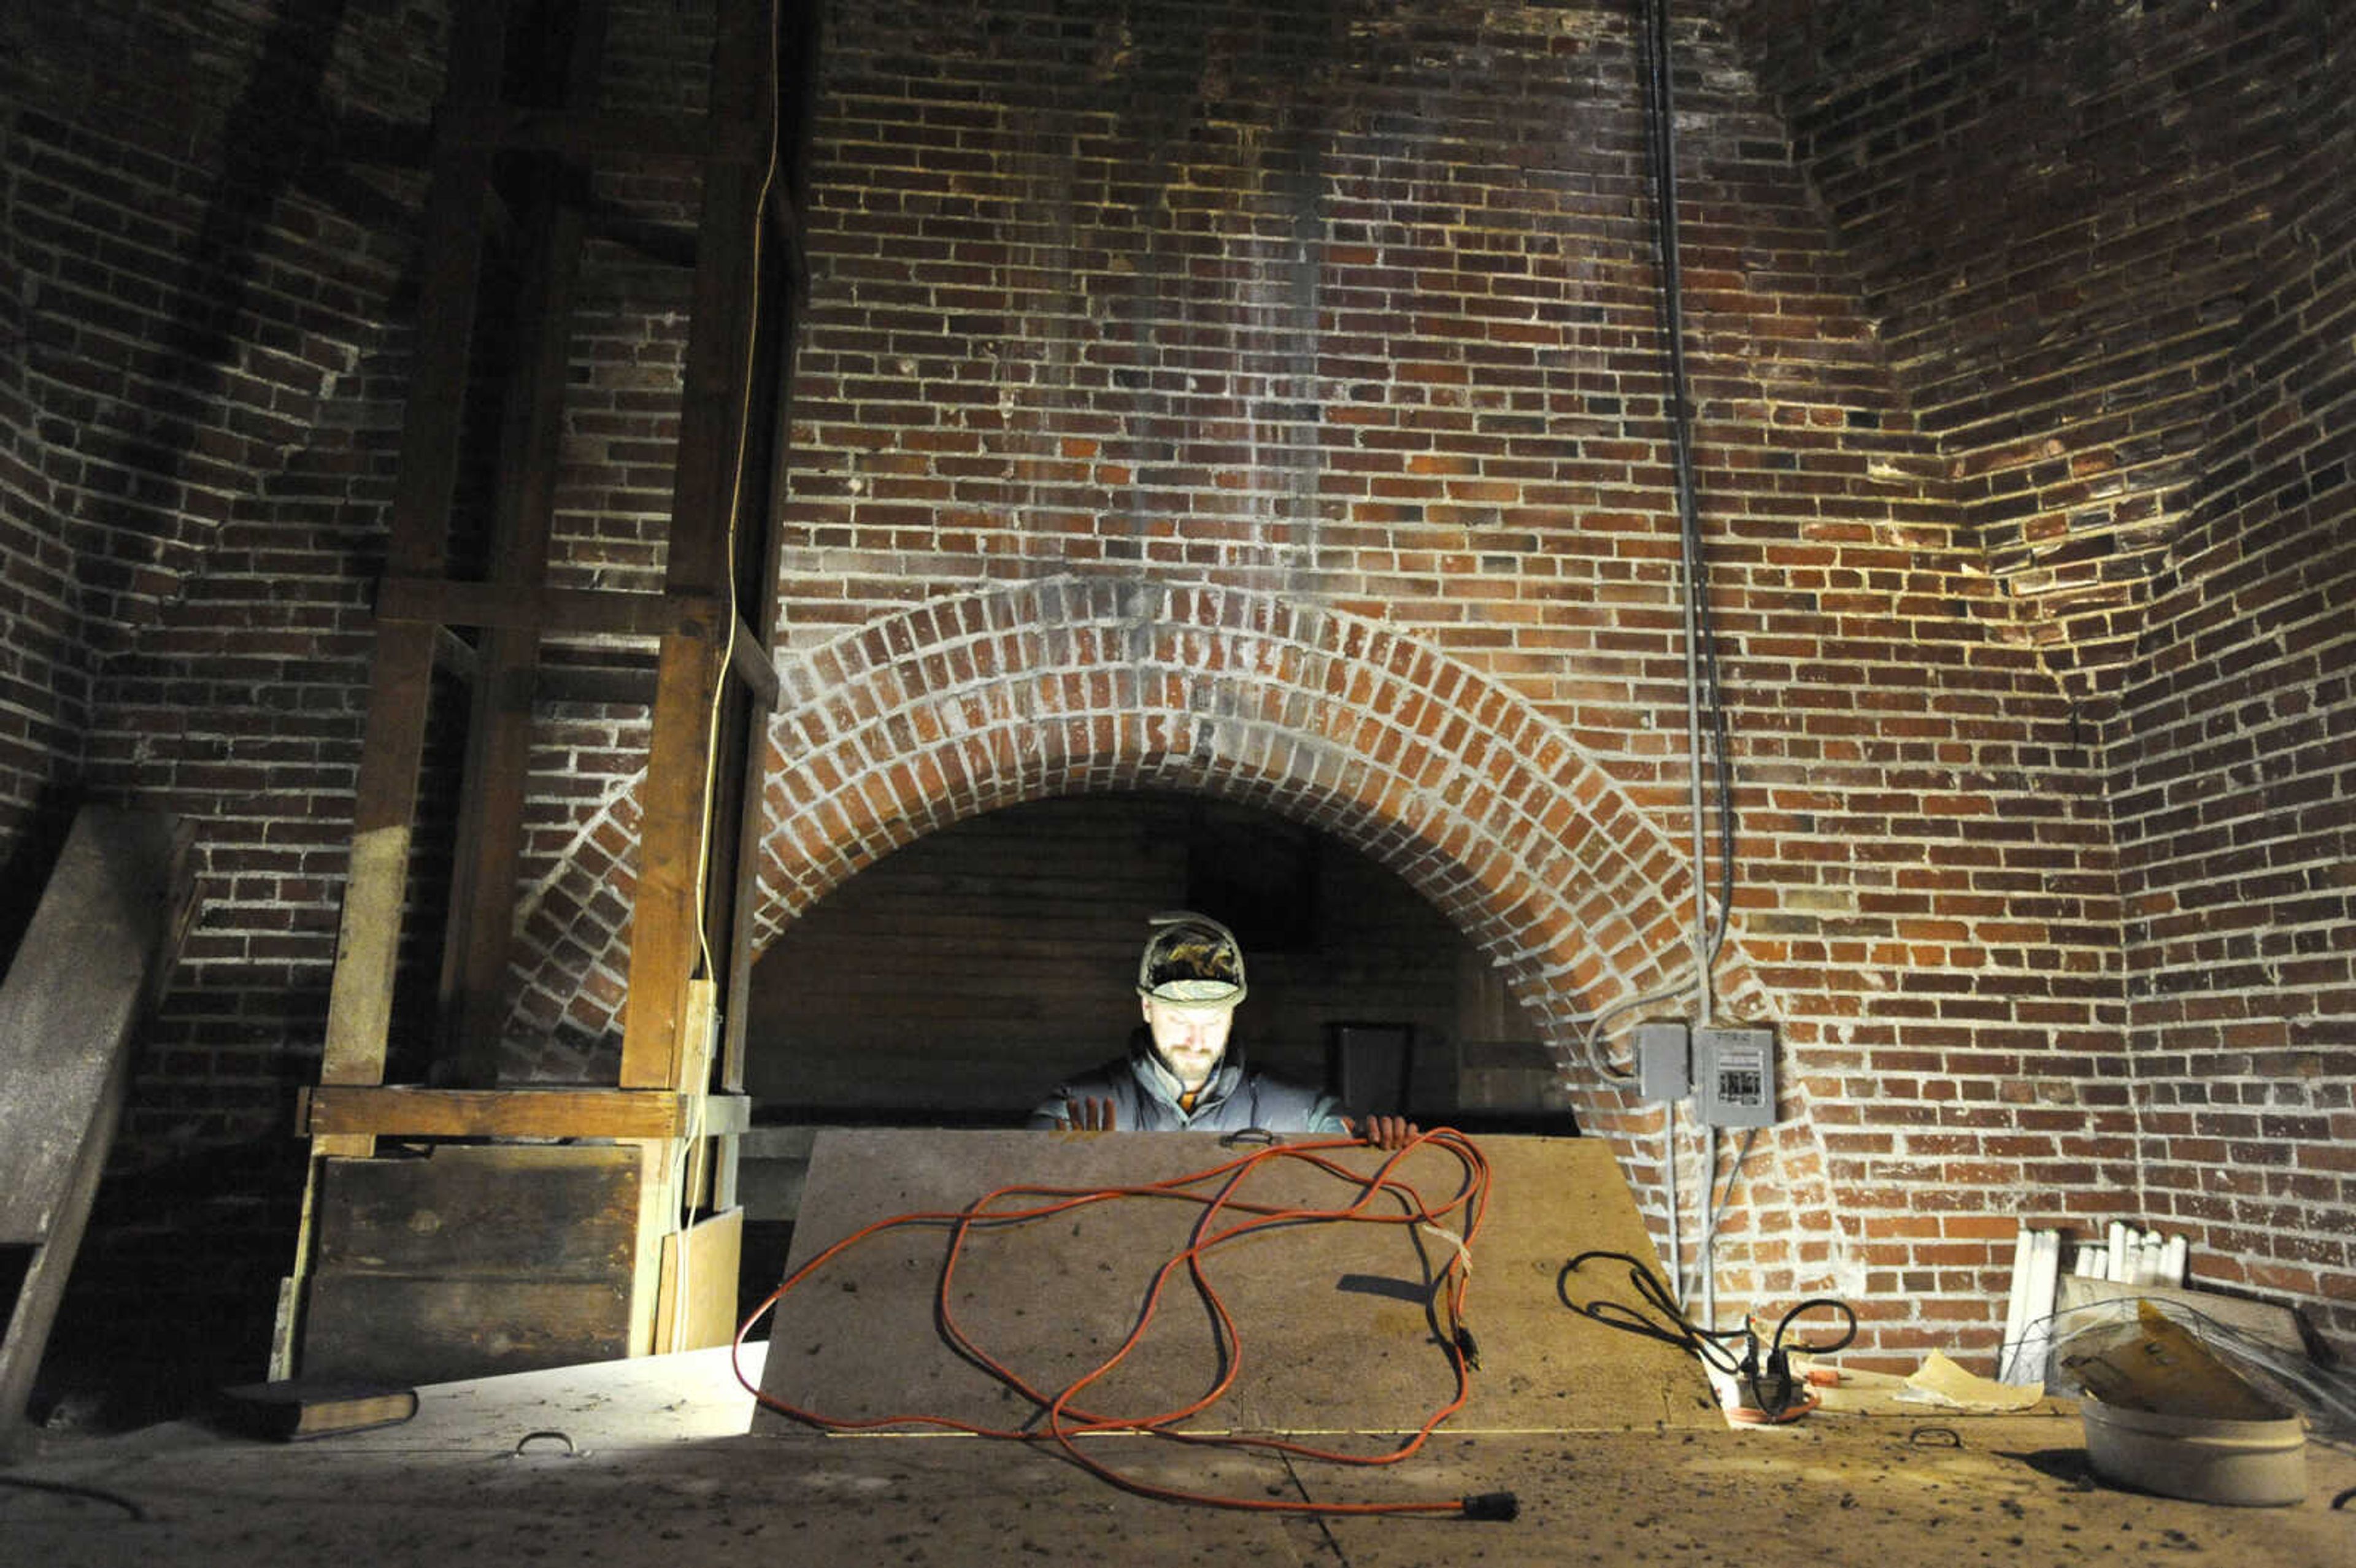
[955, 979]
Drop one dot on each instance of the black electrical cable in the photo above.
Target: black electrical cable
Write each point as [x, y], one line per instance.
[69, 1489]
[1660, 138]
[1771, 1383]
[1681, 1331]
[1660, 141]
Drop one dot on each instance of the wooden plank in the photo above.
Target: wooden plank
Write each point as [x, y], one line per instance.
[665, 929]
[403, 1111]
[585, 134]
[607, 687]
[102, 938]
[359, 993]
[498, 1212]
[421, 1330]
[1333, 1323]
[658, 1215]
[668, 936]
[709, 1250]
[750, 662]
[78, 985]
[359, 1004]
[592, 612]
[479, 933]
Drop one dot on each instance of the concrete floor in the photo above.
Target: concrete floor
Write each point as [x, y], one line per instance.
[663, 1471]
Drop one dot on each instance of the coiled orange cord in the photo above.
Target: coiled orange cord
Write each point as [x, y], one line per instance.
[1217, 1191]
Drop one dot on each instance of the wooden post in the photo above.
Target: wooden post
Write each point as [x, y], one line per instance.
[359, 1000]
[690, 914]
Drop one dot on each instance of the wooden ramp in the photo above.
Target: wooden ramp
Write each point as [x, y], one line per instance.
[1338, 1325]
[103, 942]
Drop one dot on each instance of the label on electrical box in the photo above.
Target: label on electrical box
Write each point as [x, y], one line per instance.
[1734, 1077]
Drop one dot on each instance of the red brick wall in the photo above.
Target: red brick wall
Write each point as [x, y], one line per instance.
[2112, 262]
[1270, 407]
[1264, 401]
[2053, 212]
[2233, 772]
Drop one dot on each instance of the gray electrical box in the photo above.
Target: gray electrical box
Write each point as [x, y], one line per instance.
[1662, 1068]
[1734, 1077]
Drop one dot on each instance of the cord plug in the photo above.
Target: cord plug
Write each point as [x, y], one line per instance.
[1493, 1506]
[1468, 1348]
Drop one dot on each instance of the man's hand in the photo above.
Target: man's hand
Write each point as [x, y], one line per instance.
[1393, 1133]
[1089, 1115]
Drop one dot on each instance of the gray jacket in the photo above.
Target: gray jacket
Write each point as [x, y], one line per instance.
[1233, 1100]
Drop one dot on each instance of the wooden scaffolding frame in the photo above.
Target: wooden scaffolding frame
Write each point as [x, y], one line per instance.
[516, 140]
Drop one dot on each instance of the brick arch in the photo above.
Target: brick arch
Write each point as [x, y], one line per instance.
[1067, 685]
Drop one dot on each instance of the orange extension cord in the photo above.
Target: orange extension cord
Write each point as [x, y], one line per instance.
[1217, 1192]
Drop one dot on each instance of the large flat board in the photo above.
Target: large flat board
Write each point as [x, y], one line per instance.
[101, 942]
[68, 1007]
[1338, 1324]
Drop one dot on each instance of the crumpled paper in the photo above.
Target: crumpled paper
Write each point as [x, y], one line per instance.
[1941, 1382]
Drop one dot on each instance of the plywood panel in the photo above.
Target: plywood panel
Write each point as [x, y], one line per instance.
[1336, 1324]
[71, 1000]
[102, 941]
[711, 1248]
[495, 1211]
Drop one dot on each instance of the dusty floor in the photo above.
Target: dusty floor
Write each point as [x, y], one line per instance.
[661, 1471]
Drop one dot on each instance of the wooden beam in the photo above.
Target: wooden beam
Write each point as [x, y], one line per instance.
[668, 936]
[103, 937]
[758, 558]
[659, 1216]
[399, 1110]
[455, 657]
[750, 662]
[723, 313]
[667, 924]
[516, 128]
[617, 613]
[792, 250]
[360, 999]
[480, 931]
[360, 994]
[606, 686]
